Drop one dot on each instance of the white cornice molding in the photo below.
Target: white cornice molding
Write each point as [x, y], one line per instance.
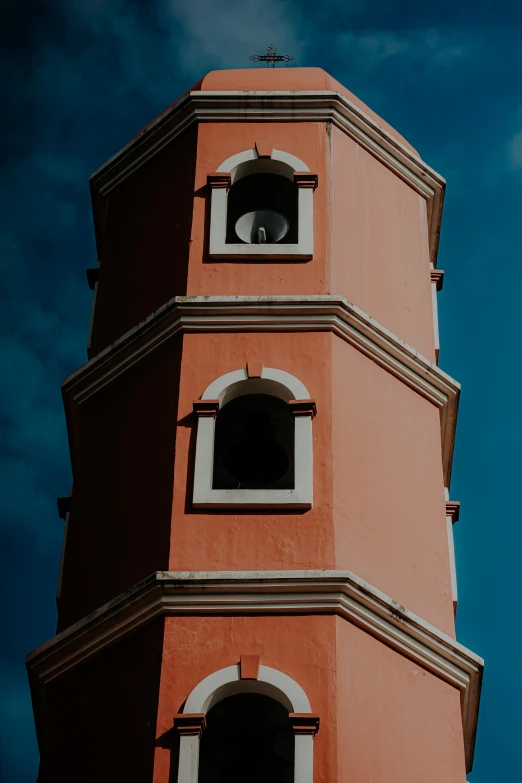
[281, 106]
[276, 313]
[270, 592]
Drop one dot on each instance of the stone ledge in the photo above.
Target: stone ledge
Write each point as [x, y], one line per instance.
[270, 592]
[273, 106]
[208, 314]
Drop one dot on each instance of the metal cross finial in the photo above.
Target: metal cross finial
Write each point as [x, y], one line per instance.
[271, 57]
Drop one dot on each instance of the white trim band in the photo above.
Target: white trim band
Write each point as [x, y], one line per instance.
[271, 314]
[271, 592]
[280, 106]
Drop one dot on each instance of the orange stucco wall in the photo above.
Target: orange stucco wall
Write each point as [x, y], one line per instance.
[303, 648]
[378, 488]
[216, 143]
[372, 702]
[383, 719]
[98, 721]
[378, 508]
[144, 249]
[119, 523]
[220, 540]
[388, 497]
[396, 722]
[292, 79]
[380, 257]
[370, 227]
[370, 230]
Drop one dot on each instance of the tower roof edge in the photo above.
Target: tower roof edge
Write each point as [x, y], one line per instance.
[289, 79]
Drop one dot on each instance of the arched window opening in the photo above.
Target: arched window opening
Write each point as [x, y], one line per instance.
[254, 444]
[262, 209]
[248, 738]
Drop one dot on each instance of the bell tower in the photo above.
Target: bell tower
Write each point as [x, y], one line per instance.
[257, 579]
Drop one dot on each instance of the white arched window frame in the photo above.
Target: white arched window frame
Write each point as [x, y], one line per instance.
[249, 162]
[228, 682]
[226, 388]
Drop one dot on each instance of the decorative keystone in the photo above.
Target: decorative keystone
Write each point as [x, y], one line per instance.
[453, 510]
[303, 179]
[303, 408]
[304, 723]
[219, 180]
[208, 408]
[190, 724]
[437, 276]
[254, 369]
[249, 667]
[264, 149]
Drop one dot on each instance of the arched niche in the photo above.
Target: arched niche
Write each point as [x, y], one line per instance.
[228, 682]
[293, 488]
[269, 194]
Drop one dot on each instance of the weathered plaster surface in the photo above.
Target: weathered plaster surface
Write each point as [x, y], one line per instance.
[383, 724]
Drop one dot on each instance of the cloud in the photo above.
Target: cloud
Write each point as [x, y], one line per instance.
[511, 150]
[141, 51]
[224, 35]
[432, 48]
[515, 151]
[45, 310]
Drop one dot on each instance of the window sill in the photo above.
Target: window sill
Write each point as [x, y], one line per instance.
[293, 252]
[251, 498]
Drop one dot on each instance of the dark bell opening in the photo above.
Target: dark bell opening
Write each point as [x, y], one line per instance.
[254, 444]
[248, 738]
[257, 192]
[265, 463]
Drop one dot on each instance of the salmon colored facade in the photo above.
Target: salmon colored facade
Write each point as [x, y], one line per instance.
[331, 589]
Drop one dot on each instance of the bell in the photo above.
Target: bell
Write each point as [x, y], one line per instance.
[263, 226]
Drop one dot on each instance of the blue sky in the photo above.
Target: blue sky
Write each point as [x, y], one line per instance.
[79, 79]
